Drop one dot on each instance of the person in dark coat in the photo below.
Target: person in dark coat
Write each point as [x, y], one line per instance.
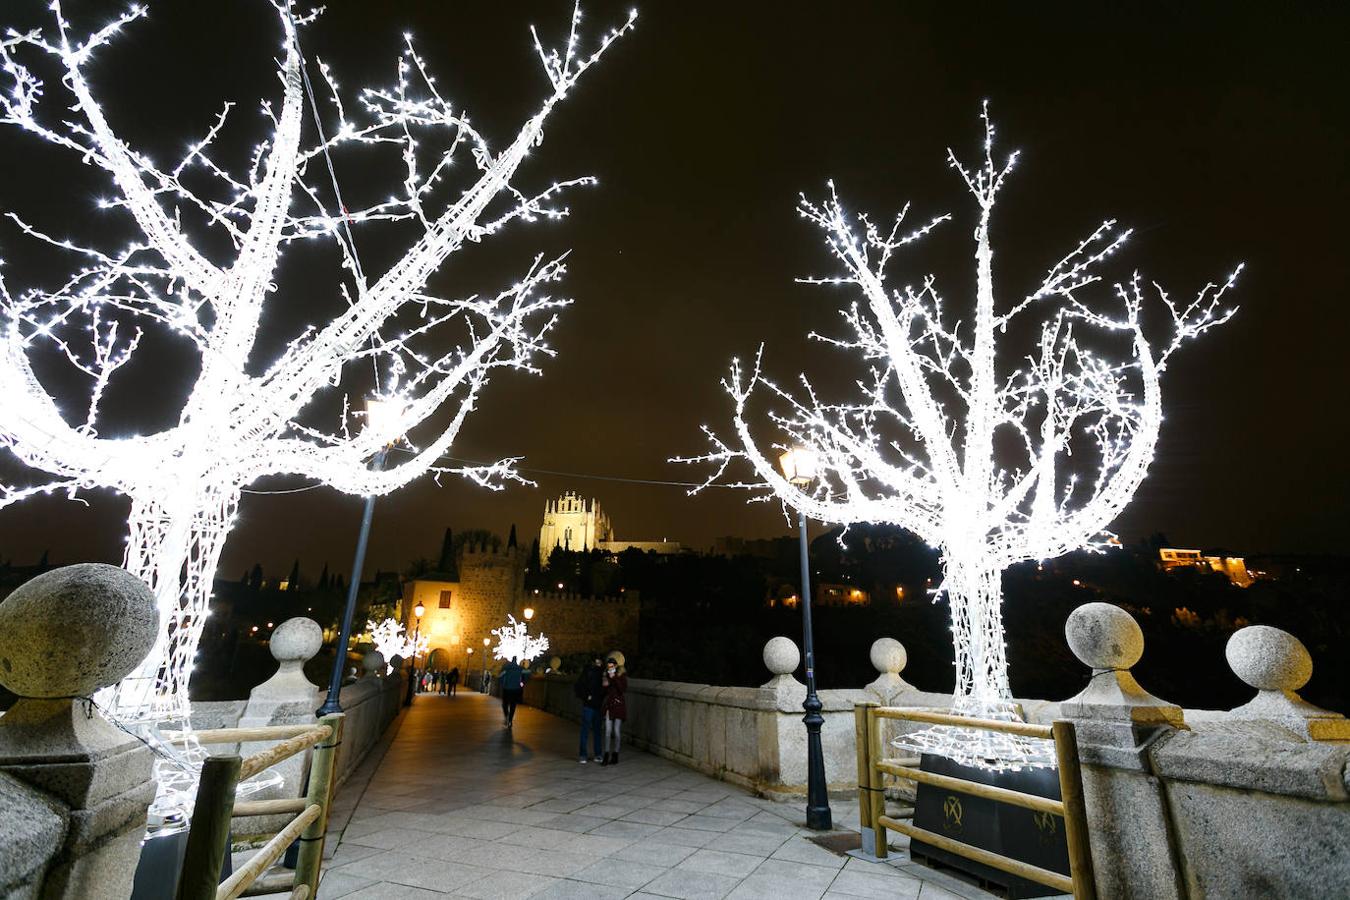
[454, 680]
[513, 688]
[615, 706]
[590, 690]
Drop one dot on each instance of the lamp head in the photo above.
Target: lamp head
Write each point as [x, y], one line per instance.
[487, 642]
[529, 613]
[384, 415]
[800, 465]
[419, 610]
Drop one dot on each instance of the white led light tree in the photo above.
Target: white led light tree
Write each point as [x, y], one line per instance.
[994, 454]
[203, 269]
[515, 642]
[391, 639]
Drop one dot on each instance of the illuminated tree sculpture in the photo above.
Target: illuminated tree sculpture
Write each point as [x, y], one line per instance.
[391, 639]
[991, 453]
[203, 269]
[515, 642]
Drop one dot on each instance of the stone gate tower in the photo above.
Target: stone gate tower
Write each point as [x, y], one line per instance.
[573, 524]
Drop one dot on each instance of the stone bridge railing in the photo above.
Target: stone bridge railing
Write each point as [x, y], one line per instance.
[74, 789]
[1250, 802]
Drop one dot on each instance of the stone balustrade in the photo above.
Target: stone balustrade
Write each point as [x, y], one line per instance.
[75, 789]
[1182, 803]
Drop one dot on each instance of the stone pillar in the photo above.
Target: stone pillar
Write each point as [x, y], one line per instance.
[373, 665]
[1277, 664]
[287, 698]
[1134, 849]
[64, 635]
[889, 659]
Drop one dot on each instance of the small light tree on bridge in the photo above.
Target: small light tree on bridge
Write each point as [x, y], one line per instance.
[203, 270]
[977, 447]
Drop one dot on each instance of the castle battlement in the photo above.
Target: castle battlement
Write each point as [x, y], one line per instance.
[552, 597]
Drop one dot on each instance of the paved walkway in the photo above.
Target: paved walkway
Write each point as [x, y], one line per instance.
[461, 806]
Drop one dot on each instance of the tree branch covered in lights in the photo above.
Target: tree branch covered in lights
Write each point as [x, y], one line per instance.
[993, 453]
[514, 642]
[203, 269]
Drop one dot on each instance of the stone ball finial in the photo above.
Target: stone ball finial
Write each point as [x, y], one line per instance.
[373, 663]
[888, 656]
[555, 663]
[74, 630]
[1104, 636]
[1269, 659]
[781, 656]
[296, 639]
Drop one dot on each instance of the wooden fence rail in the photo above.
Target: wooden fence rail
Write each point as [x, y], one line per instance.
[208, 838]
[873, 765]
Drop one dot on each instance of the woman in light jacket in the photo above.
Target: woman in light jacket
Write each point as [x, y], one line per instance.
[615, 683]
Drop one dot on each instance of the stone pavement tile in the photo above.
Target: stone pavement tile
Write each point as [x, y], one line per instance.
[537, 837]
[403, 868]
[721, 862]
[933, 892]
[384, 890]
[580, 890]
[619, 873]
[680, 806]
[606, 810]
[539, 862]
[782, 879]
[505, 886]
[475, 828]
[348, 852]
[333, 885]
[685, 885]
[560, 805]
[704, 822]
[592, 844]
[799, 849]
[856, 883]
[731, 809]
[488, 813]
[634, 830]
[572, 822]
[655, 853]
[655, 792]
[388, 838]
[420, 821]
[756, 843]
[887, 870]
[685, 837]
[653, 817]
[390, 801]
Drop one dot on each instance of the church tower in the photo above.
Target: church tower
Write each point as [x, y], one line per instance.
[573, 524]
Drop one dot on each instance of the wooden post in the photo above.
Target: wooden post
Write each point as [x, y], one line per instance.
[864, 748]
[876, 789]
[209, 836]
[320, 792]
[1075, 811]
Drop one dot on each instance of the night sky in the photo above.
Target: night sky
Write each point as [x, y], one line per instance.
[1218, 132]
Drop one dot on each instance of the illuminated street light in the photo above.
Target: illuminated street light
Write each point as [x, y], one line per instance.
[800, 465]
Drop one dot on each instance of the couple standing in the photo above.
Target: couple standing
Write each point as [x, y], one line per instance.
[601, 690]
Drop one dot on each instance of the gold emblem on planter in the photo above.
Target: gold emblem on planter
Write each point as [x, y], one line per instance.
[951, 813]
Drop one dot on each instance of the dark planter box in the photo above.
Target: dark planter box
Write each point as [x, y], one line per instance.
[1012, 831]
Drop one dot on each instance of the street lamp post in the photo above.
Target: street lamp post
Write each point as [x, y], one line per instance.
[376, 413]
[799, 467]
[413, 681]
[486, 643]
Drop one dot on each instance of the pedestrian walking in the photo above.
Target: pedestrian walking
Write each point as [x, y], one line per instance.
[513, 687]
[615, 682]
[454, 680]
[590, 690]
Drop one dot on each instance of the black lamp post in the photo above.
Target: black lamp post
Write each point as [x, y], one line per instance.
[799, 467]
[375, 412]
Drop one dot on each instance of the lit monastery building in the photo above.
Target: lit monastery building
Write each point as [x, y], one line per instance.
[573, 523]
[1234, 568]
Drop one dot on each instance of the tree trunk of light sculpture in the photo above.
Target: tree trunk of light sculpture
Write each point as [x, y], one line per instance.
[432, 356]
[929, 443]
